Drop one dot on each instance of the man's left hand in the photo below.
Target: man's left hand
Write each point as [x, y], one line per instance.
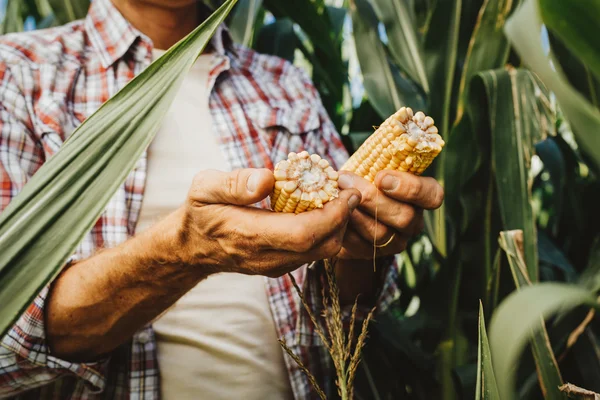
[397, 200]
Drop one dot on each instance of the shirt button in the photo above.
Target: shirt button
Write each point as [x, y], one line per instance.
[143, 337]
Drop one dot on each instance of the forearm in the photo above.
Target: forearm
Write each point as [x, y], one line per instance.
[99, 303]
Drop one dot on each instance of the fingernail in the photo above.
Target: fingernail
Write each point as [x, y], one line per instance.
[353, 201]
[252, 182]
[345, 181]
[389, 183]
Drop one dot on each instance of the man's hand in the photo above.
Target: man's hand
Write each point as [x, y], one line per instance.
[397, 199]
[218, 230]
[98, 303]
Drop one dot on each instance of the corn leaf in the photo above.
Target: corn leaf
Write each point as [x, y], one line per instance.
[386, 88]
[243, 20]
[518, 317]
[547, 368]
[501, 103]
[13, 17]
[440, 49]
[523, 31]
[43, 225]
[403, 41]
[486, 389]
[69, 10]
[576, 24]
[488, 47]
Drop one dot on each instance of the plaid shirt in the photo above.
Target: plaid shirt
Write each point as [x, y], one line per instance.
[263, 108]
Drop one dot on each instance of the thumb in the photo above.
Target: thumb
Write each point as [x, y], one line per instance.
[240, 187]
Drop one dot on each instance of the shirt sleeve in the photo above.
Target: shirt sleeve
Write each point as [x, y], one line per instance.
[25, 360]
[327, 142]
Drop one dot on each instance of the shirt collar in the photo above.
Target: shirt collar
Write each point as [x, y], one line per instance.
[112, 36]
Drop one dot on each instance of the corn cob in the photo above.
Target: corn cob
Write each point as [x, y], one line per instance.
[303, 182]
[404, 142]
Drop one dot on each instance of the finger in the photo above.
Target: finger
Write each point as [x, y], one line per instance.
[356, 247]
[368, 228]
[421, 191]
[389, 211]
[301, 233]
[239, 187]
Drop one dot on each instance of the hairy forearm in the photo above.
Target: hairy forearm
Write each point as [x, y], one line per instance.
[99, 303]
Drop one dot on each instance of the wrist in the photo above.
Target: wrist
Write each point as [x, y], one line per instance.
[175, 241]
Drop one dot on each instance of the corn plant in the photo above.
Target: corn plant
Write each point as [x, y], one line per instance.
[513, 88]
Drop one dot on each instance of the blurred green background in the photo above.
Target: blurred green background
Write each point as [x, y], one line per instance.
[513, 88]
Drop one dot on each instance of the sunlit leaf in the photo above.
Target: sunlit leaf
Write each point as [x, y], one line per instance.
[488, 47]
[13, 18]
[518, 317]
[243, 20]
[69, 10]
[575, 23]
[547, 368]
[523, 30]
[403, 41]
[486, 381]
[517, 120]
[386, 88]
[42, 226]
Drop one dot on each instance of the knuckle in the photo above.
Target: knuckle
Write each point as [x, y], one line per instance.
[333, 246]
[439, 196]
[232, 183]
[413, 188]
[406, 217]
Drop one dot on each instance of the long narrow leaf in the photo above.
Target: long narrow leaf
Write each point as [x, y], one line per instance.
[486, 389]
[523, 30]
[386, 89]
[488, 47]
[69, 10]
[440, 49]
[13, 17]
[517, 121]
[547, 368]
[43, 225]
[576, 24]
[518, 316]
[403, 41]
[243, 21]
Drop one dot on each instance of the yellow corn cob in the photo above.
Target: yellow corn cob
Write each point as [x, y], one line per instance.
[303, 182]
[404, 142]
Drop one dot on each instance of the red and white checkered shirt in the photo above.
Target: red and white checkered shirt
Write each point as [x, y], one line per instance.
[262, 107]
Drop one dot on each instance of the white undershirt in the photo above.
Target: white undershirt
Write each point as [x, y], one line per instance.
[219, 340]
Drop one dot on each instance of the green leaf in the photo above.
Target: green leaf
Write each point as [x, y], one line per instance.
[517, 120]
[547, 367]
[440, 49]
[404, 44]
[43, 225]
[69, 10]
[518, 317]
[523, 30]
[576, 24]
[488, 47]
[486, 381]
[386, 88]
[278, 39]
[578, 74]
[243, 20]
[14, 18]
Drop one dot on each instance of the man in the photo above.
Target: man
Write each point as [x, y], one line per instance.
[179, 245]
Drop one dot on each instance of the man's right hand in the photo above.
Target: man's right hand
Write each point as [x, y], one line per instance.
[98, 303]
[217, 230]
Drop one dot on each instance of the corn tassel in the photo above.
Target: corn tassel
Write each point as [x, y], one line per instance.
[404, 142]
